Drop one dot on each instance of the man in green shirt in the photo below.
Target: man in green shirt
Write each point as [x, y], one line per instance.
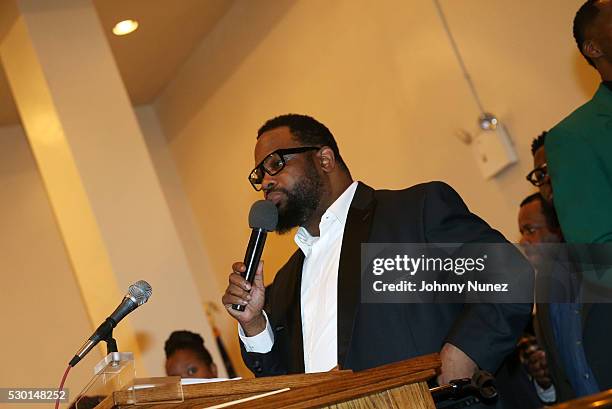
[579, 148]
[574, 173]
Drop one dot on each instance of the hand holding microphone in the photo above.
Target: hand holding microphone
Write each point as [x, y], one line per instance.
[251, 296]
[245, 295]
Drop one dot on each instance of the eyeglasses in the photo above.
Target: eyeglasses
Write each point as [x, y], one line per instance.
[274, 163]
[537, 177]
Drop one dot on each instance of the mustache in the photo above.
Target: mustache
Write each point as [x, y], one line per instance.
[273, 190]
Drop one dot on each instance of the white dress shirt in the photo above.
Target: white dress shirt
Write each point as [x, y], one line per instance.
[319, 290]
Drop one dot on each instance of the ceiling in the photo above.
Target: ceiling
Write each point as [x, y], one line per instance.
[149, 57]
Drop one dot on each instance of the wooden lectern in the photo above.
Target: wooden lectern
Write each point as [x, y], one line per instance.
[397, 385]
[601, 400]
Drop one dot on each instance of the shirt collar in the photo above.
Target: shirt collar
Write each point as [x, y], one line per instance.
[337, 212]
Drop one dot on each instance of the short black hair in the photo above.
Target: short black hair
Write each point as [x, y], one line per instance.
[548, 210]
[306, 130]
[531, 198]
[585, 16]
[187, 340]
[538, 142]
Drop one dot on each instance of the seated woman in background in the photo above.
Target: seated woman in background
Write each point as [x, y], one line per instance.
[187, 357]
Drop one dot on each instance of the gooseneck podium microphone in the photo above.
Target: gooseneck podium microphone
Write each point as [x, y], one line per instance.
[263, 218]
[138, 294]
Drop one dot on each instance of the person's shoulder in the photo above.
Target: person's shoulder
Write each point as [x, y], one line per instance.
[422, 195]
[583, 117]
[419, 189]
[574, 120]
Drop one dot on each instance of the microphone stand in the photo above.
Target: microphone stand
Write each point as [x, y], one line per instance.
[111, 344]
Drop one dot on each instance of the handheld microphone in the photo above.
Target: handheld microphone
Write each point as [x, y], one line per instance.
[138, 294]
[263, 218]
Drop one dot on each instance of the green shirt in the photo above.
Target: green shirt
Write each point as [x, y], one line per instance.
[579, 159]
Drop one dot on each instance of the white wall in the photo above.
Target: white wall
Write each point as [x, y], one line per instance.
[383, 77]
[185, 223]
[43, 318]
[43, 315]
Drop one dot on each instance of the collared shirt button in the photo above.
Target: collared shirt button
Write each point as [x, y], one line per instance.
[586, 376]
[578, 342]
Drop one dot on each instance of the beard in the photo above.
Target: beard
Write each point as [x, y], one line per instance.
[302, 201]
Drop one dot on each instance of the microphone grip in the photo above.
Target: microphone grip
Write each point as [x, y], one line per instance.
[252, 257]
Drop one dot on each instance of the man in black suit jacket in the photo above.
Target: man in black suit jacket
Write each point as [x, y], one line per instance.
[300, 169]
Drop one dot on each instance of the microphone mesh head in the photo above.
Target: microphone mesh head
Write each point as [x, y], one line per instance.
[140, 291]
[263, 215]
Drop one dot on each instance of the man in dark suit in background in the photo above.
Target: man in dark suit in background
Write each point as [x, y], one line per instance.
[568, 328]
[310, 318]
[539, 229]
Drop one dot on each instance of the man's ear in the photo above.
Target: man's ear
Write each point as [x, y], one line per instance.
[591, 49]
[327, 159]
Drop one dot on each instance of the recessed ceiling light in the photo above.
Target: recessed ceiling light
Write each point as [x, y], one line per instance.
[125, 27]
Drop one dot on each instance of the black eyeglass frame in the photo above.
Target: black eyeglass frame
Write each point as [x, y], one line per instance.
[531, 175]
[281, 154]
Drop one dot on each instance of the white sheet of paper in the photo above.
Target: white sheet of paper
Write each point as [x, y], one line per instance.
[195, 381]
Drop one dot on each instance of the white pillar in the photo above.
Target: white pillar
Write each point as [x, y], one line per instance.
[101, 183]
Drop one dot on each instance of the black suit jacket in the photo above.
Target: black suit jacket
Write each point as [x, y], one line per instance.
[370, 335]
